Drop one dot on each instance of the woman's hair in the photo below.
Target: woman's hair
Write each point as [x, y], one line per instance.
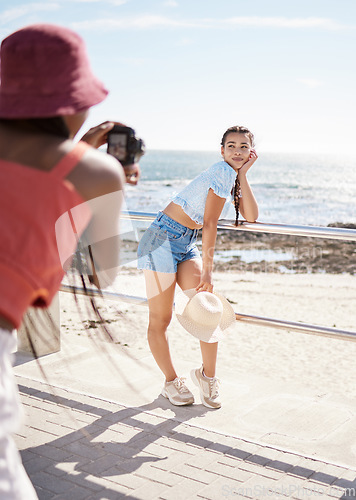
[236, 191]
[238, 130]
[54, 125]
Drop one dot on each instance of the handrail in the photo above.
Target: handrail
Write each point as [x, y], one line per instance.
[288, 229]
[255, 320]
[262, 227]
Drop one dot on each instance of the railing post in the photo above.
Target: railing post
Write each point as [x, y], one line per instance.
[43, 328]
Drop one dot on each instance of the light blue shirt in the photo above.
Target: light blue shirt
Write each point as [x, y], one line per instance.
[220, 177]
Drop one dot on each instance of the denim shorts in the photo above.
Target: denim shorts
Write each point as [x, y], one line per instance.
[165, 244]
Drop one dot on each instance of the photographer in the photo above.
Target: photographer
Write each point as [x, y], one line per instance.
[52, 189]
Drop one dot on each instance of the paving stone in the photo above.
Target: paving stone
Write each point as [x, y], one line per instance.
[222, 487]
[84, 450]
[260, 470]
[93, 483]
[133, 464]
[174, 459]
[204, 458]
[238, 453]
[183, 490]
[311, 490]
[24, 388]
[145, 421]
[117, 493]
[336, 492]
[76, 493]
[98, 434]
[345, 483]
[101, 465]
[290, 485]
[178, 446]
[52, 452]
[114, 418]
[219, 447]
[44, 494]
[68, 439]
[51, 483]
[225, 470]
[125, 479]
[49, 427]
[81, 417]
[158, 475]
[36, 438]
[27, 455]
[204, 476]
[38, 464]
[259, 487]
[71, 466]
[150, 490]
[232, 461]
[300, 471]
[258, 459]
[153, 447]
[323, 478]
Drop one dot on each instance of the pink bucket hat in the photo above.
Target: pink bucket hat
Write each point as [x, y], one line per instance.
[45, 71]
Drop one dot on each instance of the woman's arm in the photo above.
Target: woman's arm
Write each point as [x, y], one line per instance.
[213, 208]
[248, 203]
[100, 181]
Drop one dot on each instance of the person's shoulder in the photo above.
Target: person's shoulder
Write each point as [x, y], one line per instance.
[222, 167]
[97, 174]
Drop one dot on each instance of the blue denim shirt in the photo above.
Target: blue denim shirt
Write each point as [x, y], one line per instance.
[220, 177]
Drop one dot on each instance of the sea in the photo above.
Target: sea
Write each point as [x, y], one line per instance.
[299, 189]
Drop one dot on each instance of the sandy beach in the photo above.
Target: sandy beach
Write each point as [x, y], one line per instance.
[320, 296]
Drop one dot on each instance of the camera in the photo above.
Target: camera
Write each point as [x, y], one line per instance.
[124, 145]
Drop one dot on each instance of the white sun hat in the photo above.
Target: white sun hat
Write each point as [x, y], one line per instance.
[205, 315]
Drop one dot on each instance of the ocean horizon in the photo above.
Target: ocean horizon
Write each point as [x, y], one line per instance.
[289, 188]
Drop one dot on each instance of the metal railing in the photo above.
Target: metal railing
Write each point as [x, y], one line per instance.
[335, 233]
[254, 320]
[311, 231]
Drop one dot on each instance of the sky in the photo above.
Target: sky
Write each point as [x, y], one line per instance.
[180, 72]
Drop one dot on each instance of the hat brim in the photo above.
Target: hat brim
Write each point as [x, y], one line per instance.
[202, 332]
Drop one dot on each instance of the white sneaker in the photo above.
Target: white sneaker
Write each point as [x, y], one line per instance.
[209, 388]
[177, 392]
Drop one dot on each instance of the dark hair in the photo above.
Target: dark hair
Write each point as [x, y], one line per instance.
[237, 129]
[54, 125]
[236, 190]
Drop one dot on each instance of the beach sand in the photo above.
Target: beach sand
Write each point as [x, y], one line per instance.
[324, 365]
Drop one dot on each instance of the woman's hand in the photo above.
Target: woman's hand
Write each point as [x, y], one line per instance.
[206, 284]
[98, 136]
[246, 166]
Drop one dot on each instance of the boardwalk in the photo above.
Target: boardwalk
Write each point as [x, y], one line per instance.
[98, 436]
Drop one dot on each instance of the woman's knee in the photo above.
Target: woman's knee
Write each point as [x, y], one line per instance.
[159, 322]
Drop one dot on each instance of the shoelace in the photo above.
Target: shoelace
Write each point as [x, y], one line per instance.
[214, 385]
[180, 385]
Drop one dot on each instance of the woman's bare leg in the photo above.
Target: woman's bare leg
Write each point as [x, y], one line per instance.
[188, 276]
[160, 294]
[209, 353]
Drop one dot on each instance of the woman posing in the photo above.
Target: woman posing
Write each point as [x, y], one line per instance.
[168, 255]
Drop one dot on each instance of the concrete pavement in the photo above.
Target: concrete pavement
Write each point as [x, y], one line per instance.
[100, 430]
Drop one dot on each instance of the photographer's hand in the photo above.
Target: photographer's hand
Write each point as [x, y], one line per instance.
[98, 136]
[132, 173]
